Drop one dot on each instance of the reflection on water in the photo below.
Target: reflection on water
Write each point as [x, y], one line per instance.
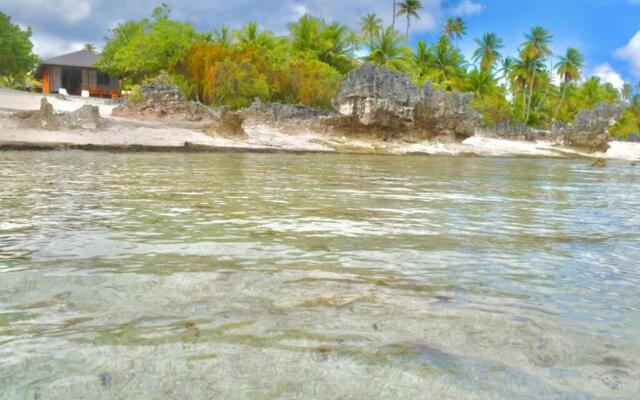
[317, 276]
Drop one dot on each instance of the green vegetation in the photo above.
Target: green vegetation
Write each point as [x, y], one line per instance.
[16, 53]
[307, 66]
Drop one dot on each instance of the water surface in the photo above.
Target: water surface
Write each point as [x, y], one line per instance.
[317, 276]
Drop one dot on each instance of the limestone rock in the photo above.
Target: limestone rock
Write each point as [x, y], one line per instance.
[277, 114]
[226, 123]
[590, 129]
[86, 117]
[160, 101]
[377, 99]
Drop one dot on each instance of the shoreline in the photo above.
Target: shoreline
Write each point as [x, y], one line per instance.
[156, 135]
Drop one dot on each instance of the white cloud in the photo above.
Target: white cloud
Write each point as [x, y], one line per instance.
[631, 54]
[65, 11]
[608, 75]
[50, 46]
[466, 8]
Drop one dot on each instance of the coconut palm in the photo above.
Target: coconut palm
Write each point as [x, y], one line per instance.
[535, 48]
[370, 26]
[354, 41]
[389, 52]
[627, 92]
[393, 21]
[488, 52]
[523, 72]
[250, 35]
[306, 34]
[447, 62]
[423, 60]
[455, 28]
[223, 36]
[410, 8]
[569, 69]
[480, 83]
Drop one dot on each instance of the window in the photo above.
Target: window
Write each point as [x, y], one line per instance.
[103, 79]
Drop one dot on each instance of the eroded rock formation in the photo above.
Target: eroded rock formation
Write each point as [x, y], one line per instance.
[590, 129]
[159, 101]
[86, 117]
[378, 100]
[167, 101]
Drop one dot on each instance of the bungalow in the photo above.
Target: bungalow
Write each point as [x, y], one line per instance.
[75, 72]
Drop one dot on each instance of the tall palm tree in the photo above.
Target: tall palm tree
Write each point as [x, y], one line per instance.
[423, 60]
[535, 48]
[410, 8]
[393, 21]
[223, 36]
[389, 52]
[249, 35]
[370, 26]
[354, 41]
[488, 51]
[523, 71]
[306, 34]
[569, 69]
[480, 83]
[455, 28]
[447, 62]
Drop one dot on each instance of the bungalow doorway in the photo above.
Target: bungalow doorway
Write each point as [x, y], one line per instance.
[72, 80]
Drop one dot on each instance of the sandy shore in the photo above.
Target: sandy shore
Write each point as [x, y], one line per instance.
[160, 135]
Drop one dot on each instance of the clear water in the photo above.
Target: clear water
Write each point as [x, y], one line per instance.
[239, 276]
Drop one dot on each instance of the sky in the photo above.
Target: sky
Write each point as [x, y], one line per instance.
[607, 32]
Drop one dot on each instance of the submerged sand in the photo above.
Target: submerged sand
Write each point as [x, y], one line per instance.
[166, 134]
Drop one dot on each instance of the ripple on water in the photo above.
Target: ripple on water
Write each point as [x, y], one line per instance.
[322, 276]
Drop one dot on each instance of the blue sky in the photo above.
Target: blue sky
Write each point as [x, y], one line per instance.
[607, 32]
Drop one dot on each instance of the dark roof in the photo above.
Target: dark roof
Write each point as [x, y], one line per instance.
[82, 58]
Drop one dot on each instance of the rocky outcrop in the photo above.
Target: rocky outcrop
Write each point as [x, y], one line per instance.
[590, 129]
[508, 131]
[277, 114]
[167, 101]
[160, 101]
[226, 123]
[375, 99]
[86, 117]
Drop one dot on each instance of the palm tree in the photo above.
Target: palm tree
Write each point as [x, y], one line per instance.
[535, 48]
[354, 41]
[523, 72]
[423, 60]
[480, 83]
[89, 47]
[306, 34]
[222, 36]
[389, 52]
[410, 8]
[455, 28]
[488, 51]
[393, 22]
[627, 92]
[447, 62]
[370, 26]
[569, 69]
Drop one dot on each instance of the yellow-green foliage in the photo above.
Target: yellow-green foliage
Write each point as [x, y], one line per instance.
[136, 95]
[309, 82]
[629, 124]
[235, 76]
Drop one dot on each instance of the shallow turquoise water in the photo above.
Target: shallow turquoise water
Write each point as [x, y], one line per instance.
[317, 276]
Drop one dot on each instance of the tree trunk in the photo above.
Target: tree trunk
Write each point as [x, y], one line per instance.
[393, 23]
[533, 81]
[564, 93]
[408, 24]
